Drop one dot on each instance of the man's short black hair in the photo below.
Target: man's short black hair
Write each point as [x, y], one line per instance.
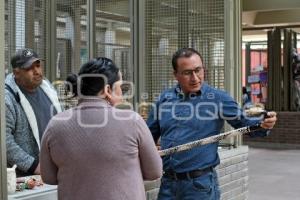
[184, 52]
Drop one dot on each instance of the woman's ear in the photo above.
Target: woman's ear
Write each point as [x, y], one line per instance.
[108, 89]
[106, 92]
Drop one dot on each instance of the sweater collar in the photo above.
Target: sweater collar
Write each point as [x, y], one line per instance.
[93, 101]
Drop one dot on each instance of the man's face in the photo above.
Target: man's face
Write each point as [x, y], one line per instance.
[190, 73]
[29, 78]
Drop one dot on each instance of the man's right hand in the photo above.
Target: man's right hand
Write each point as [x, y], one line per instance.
[269, 121]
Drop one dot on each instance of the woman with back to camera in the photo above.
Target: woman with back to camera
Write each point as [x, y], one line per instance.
[95, 151]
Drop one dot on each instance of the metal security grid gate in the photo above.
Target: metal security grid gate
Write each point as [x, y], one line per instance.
[111, 28]
[168, 25]
[25, 23]
[60, 33]
[71, 37]
[113, 34]
[172, 24]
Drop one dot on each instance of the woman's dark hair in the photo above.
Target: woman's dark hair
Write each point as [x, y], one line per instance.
[71, 85]
[186, 53]
[90, 83]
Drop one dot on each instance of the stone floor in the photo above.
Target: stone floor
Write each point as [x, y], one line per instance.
[274, 174]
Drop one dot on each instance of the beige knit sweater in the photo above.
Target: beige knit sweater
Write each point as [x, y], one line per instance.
[95, 151]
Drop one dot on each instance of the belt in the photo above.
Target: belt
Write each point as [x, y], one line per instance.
[187, 175]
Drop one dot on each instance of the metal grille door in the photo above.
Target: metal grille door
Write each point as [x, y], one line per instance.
[172, 24]
[25, 27]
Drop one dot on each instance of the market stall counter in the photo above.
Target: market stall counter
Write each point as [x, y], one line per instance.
[34, 189]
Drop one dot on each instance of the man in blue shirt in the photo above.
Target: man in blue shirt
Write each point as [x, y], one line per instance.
[190, 111]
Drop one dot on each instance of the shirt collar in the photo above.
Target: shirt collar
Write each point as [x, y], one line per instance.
[93, 101]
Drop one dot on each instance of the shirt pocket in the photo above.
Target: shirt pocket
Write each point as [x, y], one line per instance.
[207, 111]
[183, 113]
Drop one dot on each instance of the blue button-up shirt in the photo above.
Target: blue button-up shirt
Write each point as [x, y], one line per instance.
[179, 119]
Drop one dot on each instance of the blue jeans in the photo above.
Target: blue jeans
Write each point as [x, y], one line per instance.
[204, 187]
